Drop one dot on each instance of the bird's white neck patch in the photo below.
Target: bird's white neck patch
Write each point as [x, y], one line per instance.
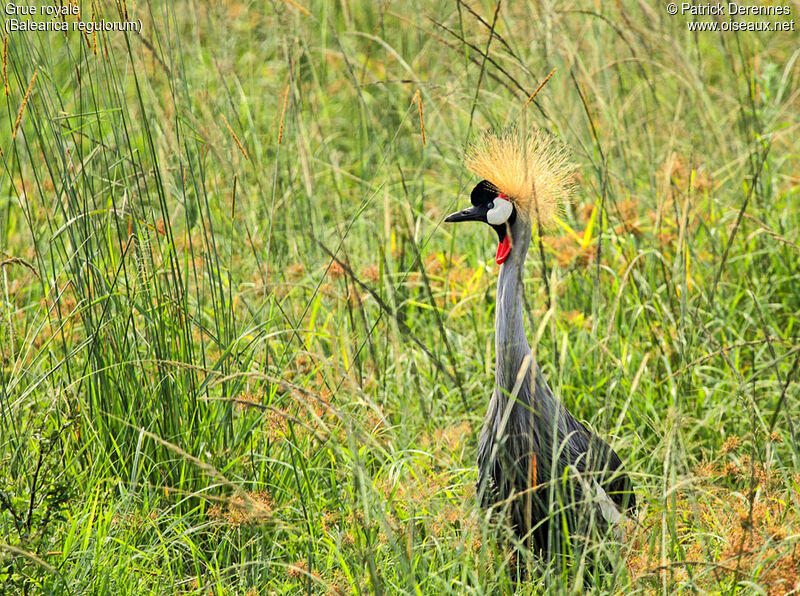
[500, 213]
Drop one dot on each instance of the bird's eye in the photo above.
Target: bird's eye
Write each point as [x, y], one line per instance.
[499, 211]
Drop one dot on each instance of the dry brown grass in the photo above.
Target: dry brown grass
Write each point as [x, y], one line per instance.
[443, 442]
[568, 251]
[726, 532]
[335, 271]
[237, 511]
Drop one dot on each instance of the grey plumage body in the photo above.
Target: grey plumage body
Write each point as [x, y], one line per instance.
[535, 460]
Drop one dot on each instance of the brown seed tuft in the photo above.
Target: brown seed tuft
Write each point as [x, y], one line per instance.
[5, 64]
[283, 113]
[248, 509]
[246, 401]
[418, 99]
[336, 271]
[372, 273]
[24, 103]
[295, 271]
[235, 138]
[731, 444]
[539, 88]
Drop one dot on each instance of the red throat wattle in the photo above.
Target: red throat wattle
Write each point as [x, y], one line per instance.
[503, 250]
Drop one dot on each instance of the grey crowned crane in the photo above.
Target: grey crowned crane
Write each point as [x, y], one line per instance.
[555, 478]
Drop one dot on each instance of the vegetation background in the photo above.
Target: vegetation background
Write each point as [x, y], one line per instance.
[241, 354]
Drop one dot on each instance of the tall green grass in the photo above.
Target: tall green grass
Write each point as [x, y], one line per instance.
[240, 354]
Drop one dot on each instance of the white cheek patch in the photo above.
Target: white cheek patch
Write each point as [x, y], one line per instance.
[501, 212]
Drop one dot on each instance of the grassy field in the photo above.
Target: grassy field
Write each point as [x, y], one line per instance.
[242, 355]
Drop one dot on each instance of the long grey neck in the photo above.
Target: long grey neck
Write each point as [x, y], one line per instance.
[511, 344]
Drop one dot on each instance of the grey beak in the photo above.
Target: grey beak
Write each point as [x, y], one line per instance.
[477, 213]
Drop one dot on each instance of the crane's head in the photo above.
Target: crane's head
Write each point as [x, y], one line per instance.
[492, 207]
[525, 178]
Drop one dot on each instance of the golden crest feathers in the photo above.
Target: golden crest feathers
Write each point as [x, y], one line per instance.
[528, 167]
